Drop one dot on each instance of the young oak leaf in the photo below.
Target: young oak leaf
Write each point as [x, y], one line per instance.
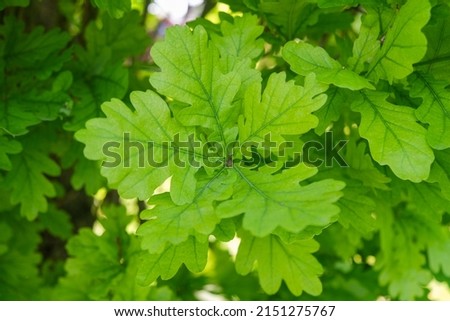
[404, 44]
[403, 144]
[191, 73]
[168, 222]
[305, 58]
[440, 171]
[283, 108]
[269, 201]
[143, 148]
[279, 261]
[192, 253]
[434, 109]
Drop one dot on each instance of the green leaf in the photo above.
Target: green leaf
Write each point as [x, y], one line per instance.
[401, 286]
[434, 109]
[269, 201]
[437, 31]
[395, 138]
[440, 171]
[19, 264]
[403, 236]
[169, 223]
[25, 109]
[110, 82]
[28, 182]
[8, 146]
[305, 58]
[57, 222]
[240, 38]
[283, 108]
[38, 53]
[192, 253]
[145, 158]
[438, 256]
[427, 199]
[291, 17]
[124, 37]
[28, 97]
[116, 8]
[190, 73]
[278, 261]
[337, 99]
[404, 44]
[367, 45]
[357, 209]
[362, 167]
[14, 3]
[338, 3]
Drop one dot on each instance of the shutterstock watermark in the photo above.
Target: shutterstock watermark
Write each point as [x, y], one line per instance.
[188, 151]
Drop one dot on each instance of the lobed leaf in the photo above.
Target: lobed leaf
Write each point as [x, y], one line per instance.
[395, 138]
[278, 261]
[269, 201]
[282, 109]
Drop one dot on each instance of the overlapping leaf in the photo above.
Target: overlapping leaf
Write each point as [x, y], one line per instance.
[169, 223]
[28, 180]
[357, 209]
[269, 201]
[29, 60]
[103, 267]
[19, 260]
[337, 99]
[395, 138]
[278, 261]
[116, 8]
[440, 172]
[305, 58]
[240, 38]
[140, 170]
